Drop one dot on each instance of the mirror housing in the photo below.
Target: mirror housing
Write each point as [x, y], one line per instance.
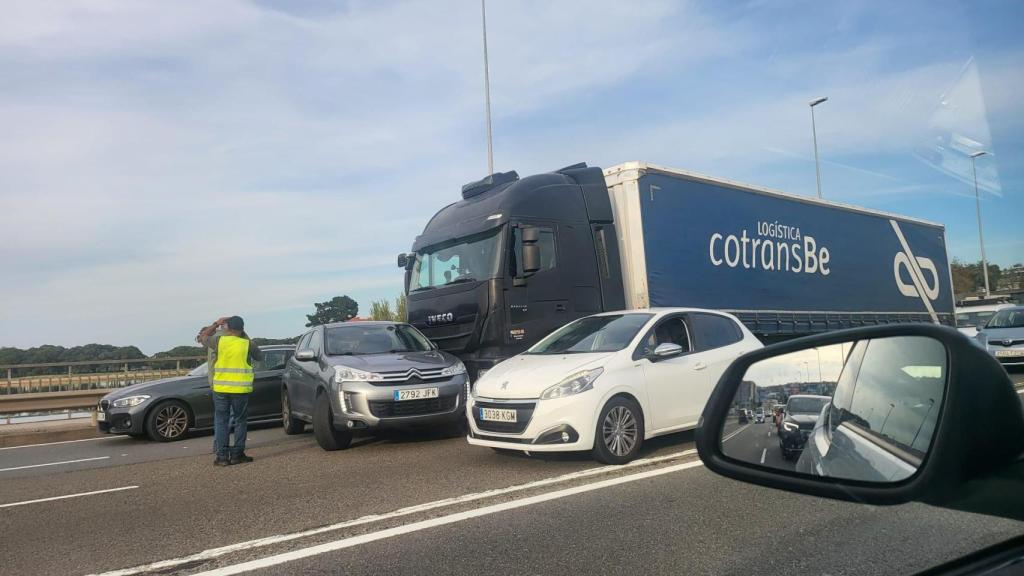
[963, 453]
[531, 250]
[665, 351]
[403, 260]
[305, 355]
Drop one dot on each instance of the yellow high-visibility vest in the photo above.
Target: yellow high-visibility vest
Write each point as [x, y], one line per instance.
[232, 373]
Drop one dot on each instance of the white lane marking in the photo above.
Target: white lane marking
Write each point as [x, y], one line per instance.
[763, 453]
[66, 496]
[729, 437]
[269, 540]
[440, 521]
[54, 463]
[61, 442]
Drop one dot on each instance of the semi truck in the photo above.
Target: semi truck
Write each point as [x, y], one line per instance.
[515, 258]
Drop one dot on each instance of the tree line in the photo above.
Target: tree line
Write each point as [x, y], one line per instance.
[969, 279]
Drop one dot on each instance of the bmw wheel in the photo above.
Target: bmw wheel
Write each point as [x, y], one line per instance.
[620, 431]
[168, 421]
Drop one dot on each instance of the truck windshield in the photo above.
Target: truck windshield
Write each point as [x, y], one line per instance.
[356, 340]
[469, 260]
[609, 333]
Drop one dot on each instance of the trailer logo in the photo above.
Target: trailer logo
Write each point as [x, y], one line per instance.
[445, 318]
[915, 267]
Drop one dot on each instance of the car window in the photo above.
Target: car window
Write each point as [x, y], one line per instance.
[912, 364]
[304, 341]
[604, 333]
[713, 331]
[843, 395]
[668, 331]
[315, 342]
[272, 360]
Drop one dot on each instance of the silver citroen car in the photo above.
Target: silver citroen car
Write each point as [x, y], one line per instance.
[354, 377]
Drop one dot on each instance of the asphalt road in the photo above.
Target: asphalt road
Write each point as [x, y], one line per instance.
[758, 444]
[415, 505]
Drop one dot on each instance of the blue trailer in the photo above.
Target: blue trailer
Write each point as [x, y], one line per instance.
[515, 258]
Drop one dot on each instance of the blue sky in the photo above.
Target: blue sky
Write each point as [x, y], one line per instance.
[163, 164]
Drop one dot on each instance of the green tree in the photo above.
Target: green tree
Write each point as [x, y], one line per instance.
[337, 309]
[381, 310]
[401, 308]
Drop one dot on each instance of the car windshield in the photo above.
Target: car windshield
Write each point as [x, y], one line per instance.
[363, 339]
[1011, 318]
[805, 405]
[971, 319]
[606, 333]
[201, 370]
[468, 260]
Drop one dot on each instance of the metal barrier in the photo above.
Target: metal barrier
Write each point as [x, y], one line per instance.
[68, 391]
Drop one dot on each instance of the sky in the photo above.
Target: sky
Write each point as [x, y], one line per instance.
[166, 163]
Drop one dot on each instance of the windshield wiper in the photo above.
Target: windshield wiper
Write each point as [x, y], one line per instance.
[461, 280]
[421, 288]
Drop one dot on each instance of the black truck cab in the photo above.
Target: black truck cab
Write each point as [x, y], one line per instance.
[513, 260]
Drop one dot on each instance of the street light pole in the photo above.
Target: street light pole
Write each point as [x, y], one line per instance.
[487, 91]
[977, 201]
[814, 134]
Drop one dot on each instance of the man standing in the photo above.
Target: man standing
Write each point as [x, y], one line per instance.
[230, 359]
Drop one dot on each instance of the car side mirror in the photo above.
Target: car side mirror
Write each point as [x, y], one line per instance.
[878, 415]
[305, 355]
[666, 350]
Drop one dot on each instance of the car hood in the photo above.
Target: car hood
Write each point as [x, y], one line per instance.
[395, 362]
[802, 418]
[162, 386]
[1000, 333]
[527, 375]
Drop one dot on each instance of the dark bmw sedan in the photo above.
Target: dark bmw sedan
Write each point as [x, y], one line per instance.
[168, 409]
[363, 376]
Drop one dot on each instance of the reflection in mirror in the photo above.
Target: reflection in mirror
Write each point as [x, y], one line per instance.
[864, 410]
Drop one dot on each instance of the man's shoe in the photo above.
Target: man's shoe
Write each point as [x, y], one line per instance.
[221, 462]
[240, 458]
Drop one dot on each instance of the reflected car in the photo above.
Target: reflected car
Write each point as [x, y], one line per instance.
[743, 416]
[607, 382]
[865, 433]
[1003, 336]
[759, 416]
[802, 412]
[168, 409]
[353, 377]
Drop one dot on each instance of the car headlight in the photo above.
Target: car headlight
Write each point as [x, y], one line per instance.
[790, 426]
[130, 401]
[346, 374]
[454, 369]
[574, 384]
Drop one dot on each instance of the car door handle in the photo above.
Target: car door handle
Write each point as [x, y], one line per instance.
[700, 366]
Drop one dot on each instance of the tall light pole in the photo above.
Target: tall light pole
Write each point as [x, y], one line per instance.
[487, 92]
[814, 134]
[977, 200]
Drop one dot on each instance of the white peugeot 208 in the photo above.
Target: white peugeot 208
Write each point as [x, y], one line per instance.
[607, 382]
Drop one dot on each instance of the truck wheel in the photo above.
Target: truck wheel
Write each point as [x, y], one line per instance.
[620, 431]
[168, 421]
[327, 436]
[292, 425]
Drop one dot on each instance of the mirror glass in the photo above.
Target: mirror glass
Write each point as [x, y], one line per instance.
[864, 410]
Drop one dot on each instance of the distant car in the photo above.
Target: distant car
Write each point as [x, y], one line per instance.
[607, 382]
[969, 318]
[759, 416]
[168, 409]
[802, 413]
[861, 437]
[1003, 336]
[363, 376]
[743, 416]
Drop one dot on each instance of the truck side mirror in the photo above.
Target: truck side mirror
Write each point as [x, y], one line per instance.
[531, 250]
[403, 260]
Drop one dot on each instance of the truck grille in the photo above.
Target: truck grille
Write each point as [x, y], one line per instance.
[524, 412]
[389, 409]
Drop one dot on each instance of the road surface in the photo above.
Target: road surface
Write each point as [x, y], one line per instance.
[421, 505]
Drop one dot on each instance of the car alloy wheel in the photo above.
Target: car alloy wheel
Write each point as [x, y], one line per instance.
[171, 421]
[619, 431]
